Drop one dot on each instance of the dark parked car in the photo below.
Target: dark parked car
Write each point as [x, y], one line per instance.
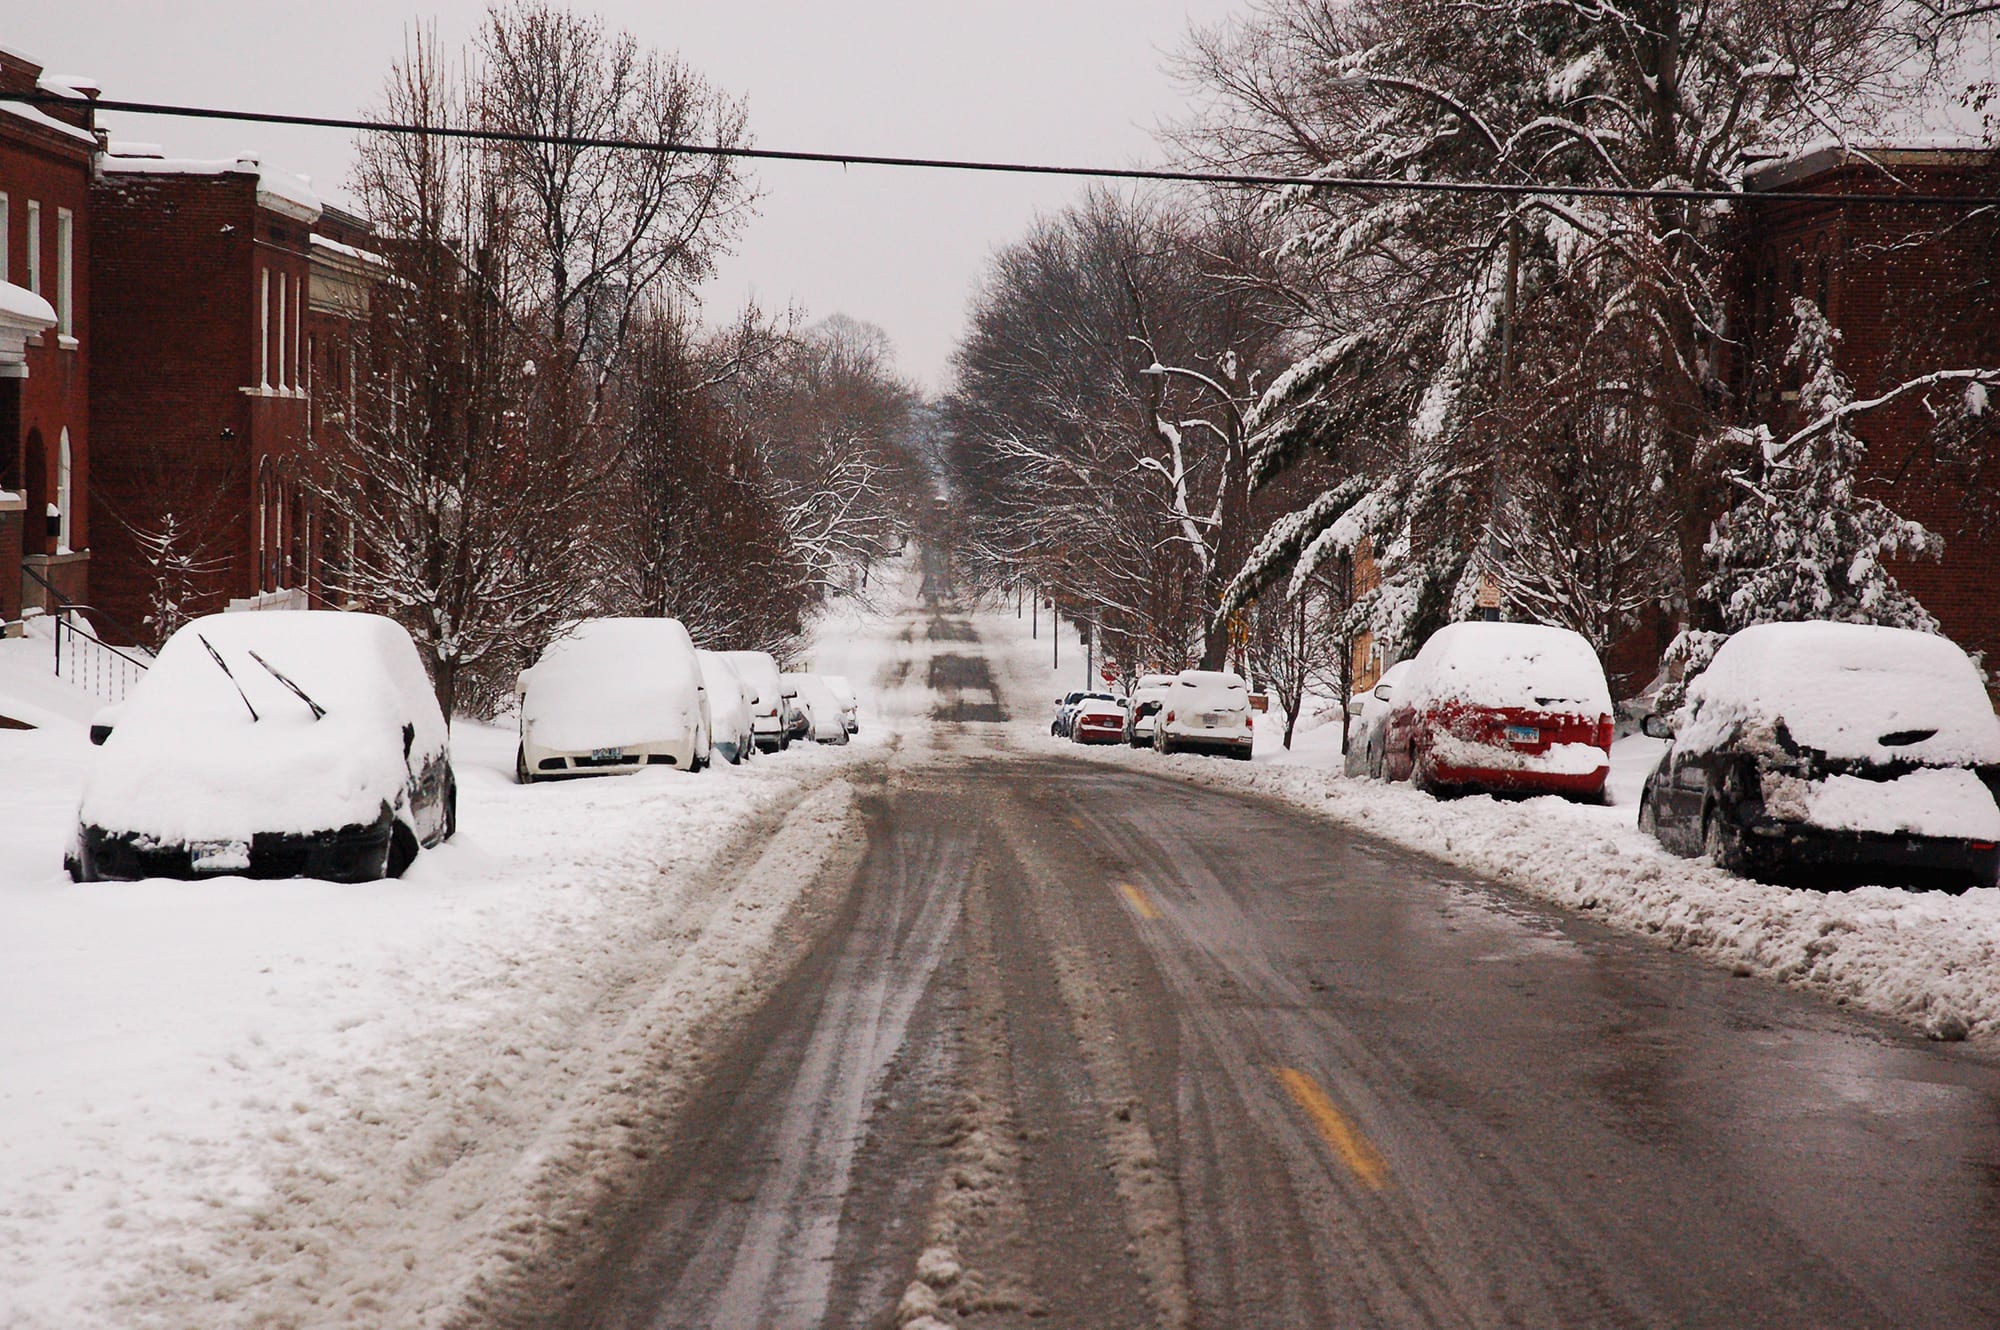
[1831, 753]
[291, 744]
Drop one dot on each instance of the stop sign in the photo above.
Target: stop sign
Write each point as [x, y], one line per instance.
[1108, 673]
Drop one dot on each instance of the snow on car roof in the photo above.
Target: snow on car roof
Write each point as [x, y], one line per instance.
[1527, 665]
[613, 682]
[1842, 687]
[185, 759]
[1101, 706]
[759, 670]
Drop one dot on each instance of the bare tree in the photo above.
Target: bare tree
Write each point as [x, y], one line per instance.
[604, 232]
[455, 460]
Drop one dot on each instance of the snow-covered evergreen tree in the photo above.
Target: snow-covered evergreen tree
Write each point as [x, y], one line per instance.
[1804, 541]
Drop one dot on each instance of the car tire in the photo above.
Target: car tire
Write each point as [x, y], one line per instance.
[1716, 844]
[403, 849]
[1649, 821]
[522, 776]
[1242, 755]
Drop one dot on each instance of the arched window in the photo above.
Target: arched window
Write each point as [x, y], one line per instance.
[267, 527]
[296, 534]
[65, 481]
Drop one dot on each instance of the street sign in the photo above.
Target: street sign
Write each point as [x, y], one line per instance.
[1108, 673]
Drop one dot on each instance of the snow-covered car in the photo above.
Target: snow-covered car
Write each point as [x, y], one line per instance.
[1368, 721]
[1206, 711]
[1098, 721]
[303, 744]
[1066, 707]
[1832, 752]
[823, 720]
[1149, 694]
[771, 722]
[730, 705]
[850, 705]
[613, 695]
[1507, 708]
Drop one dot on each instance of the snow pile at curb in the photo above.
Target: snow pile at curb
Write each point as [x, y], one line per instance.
[294, 1103]
[1930, 959]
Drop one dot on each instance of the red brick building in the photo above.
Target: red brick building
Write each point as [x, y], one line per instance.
[219, 301]
[45, 341]
[1912, 290]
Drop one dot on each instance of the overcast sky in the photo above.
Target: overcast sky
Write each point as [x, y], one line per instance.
[1070, 81]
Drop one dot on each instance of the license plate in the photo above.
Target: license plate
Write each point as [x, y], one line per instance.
[219, 856]
[1210, 719]
[1523, 734]
[606, 754]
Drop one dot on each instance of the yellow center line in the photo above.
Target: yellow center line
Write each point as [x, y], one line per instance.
[1342, 1136]
[1140, 902]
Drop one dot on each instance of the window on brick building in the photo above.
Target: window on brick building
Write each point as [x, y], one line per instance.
[284, 289]
[65, 272]
[6, 235]
[264, 329]
[34, 247]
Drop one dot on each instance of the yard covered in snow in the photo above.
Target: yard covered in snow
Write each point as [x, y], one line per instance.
[1926, 958]
[230, 1103]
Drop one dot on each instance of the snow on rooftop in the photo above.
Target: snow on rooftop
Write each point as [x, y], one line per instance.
[1826, 154]
[346, 251]
[36, 117]
[280, 191]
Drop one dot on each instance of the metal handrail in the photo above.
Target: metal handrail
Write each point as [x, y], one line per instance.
[67, 612]
[64, 604]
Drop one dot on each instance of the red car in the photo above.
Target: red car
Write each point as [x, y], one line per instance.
[1503, 708]
[1098, 721]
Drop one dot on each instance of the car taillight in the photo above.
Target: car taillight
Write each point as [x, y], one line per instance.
[1983, 845]
[1604, 733]
[1170, 718]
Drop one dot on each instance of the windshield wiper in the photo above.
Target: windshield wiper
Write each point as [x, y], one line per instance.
[223, 665]
[318, 711]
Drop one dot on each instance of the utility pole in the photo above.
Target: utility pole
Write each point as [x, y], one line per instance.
[1055, 634]
[1035, 619]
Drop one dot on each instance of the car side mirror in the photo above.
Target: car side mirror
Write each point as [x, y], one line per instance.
[99, 733]
[1655, 726]
[101, 724]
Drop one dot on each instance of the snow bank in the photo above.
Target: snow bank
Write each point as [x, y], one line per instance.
[232, 1104]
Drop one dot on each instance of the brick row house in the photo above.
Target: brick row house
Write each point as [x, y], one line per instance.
[228, 289]
[1912, 291]
[45, 341]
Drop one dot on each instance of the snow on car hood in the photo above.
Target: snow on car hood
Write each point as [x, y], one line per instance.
[185, 760]
[1528, 666]
[1842, 689]
[611, 683]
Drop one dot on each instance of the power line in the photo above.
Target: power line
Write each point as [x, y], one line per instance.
[1139, 173]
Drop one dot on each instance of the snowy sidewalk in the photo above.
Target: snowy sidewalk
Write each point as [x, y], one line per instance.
[1929, 959]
